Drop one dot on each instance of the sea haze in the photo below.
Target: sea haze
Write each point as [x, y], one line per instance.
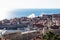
[37, 12]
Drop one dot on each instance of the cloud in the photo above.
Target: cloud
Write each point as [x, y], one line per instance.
[31, 15]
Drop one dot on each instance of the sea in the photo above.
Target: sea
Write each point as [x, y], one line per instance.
[26, 30]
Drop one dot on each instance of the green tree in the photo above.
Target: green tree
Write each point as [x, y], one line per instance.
[51, 36]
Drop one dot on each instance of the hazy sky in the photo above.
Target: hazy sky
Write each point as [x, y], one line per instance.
[8, 7]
